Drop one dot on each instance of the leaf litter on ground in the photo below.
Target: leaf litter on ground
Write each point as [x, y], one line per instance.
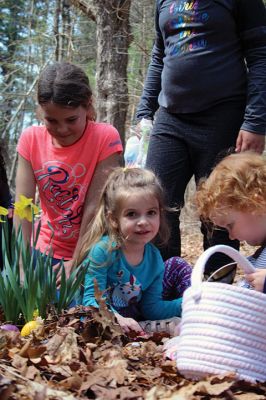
[85, 355]
[92, 359]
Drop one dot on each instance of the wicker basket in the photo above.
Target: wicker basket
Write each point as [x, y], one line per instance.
[223, 327]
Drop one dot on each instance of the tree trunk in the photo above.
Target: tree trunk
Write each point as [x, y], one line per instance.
[56, 29]
[66, 31]
[112, 34]
[113, 39]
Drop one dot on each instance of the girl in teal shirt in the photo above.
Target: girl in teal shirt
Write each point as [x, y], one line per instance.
[119, 253]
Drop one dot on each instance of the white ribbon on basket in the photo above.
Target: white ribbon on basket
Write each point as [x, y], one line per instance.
[198, 270]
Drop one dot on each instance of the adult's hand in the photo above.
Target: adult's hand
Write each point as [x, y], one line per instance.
[148, 123]
[250, 141]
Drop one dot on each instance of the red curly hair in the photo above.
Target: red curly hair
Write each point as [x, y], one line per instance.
[237, 182]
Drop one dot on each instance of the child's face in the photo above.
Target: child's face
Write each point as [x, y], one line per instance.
[139, 218]
[243, 226]
[65, 124]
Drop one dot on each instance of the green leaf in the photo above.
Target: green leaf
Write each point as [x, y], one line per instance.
[63, 290]
[47, 292]
[35, 235]
[75, 282]
[16, 290]
[8, 302]
[39, 288]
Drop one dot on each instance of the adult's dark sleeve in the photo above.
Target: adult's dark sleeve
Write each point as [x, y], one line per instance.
[152, 87]
[5, 196]
[252, 28]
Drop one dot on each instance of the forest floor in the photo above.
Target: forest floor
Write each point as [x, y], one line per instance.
[90, 358]
[74, 359]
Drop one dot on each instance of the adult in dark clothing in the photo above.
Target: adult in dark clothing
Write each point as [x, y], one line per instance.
[207, 76]
[5, 201]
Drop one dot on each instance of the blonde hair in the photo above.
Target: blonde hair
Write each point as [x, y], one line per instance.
[122, 183]
[237, 182]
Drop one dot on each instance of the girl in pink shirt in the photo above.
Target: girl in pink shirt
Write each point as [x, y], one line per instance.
[68, 159]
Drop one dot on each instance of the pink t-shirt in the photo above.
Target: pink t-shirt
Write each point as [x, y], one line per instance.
[63, 176]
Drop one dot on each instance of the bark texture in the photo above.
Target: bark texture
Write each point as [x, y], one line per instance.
[112, 42]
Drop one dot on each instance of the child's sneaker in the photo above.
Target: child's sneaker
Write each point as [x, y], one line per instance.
[161, 325]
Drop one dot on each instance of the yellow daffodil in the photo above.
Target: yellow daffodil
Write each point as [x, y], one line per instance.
[3, 211]
[24, 208]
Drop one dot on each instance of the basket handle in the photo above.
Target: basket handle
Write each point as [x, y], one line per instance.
[198, 270]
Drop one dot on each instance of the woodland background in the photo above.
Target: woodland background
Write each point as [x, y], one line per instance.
[110, 39]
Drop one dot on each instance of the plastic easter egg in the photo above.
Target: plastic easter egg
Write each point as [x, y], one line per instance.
[29, 327]
[9, 327]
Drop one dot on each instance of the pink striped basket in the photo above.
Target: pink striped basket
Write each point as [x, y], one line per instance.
[223, 326]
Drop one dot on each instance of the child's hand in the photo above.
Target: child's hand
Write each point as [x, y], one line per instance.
[128, 324]
[257, 279]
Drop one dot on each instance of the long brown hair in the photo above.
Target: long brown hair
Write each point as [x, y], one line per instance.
[66, 85]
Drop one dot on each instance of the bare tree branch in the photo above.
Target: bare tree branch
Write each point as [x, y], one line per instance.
[86, 7]
[22, 103]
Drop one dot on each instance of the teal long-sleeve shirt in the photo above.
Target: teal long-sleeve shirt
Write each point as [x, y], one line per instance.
[126, 284]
